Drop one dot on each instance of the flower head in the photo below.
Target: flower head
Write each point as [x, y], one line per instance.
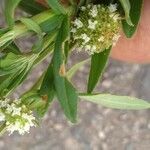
[16, 116]
[97, 28]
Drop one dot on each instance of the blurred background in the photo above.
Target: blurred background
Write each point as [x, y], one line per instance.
[98, 128]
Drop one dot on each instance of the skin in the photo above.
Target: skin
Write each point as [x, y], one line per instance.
[136, 49]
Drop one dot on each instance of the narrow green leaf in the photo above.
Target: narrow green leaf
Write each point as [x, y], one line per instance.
[11, 82]
[51, 23]
[42, 19]
[16, 68]
[75, 68]
[33, 26]
[65, 92]
[47, 88]
[10, 6]
[34, 101]
[98, 63]
[56, 6]
[30, 98]
[127, 7]
[6, 39]
[31, 7]
[72, 99]
[135, 13]
[11, 63]
[117, 102]
[3, 30]
[12, 48]
[66, 50]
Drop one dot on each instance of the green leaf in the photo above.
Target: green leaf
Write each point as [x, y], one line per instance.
[66, 50]
[3, 30]
[33, 26]
[51, 23]
[31, 7]
[135, 13]
[12, 48]
[31, 99]
[47, 88]
[98, 63]
[10, 6]
[65, 92]
[43, 19]
[117, 102]
[56, 6]
[14, 69]
[6, 39]
[126, 6]
[12, 81]
[47, 85]
[75, 68]
[34, 101]
[10, 64]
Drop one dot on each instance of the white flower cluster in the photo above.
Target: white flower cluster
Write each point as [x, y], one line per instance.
[97, 28]
[15, 116]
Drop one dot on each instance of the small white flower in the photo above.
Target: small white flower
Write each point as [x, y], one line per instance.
[16, 101]
[99, 25]
[73, 30]
[83, 8]
[22, 125]
[9, 109]
[85, 38]
[2, 116]
[90, 49]
[111, 15]
[78, 23]
[92, 25]
[87, 47]
[93, 49]
[76, 37]
[94, 11]
[3, 103]
[12, 127]
[116, 17]
[29, 118]
[16, 111]
[112, 7]
[108, 25]
[115, 39]
[89, 6]
[98, 6]
[26, 128]
[101, 39]
[17, 116]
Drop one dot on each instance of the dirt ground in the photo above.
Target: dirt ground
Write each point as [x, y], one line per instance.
[98, 128]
